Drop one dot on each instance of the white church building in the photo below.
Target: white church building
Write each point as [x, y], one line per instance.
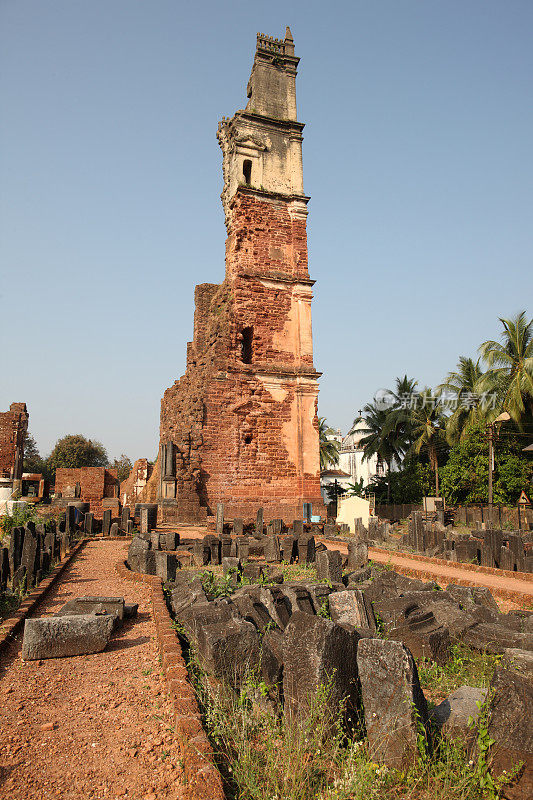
[351, 466]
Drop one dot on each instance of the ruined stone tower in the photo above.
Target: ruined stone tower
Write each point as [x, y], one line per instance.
[240, 427]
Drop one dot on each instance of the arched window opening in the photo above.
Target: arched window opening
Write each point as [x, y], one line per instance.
[248, 438]
[247, 345]
[247, 171]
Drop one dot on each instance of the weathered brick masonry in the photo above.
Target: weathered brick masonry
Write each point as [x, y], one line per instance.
[95, 483]
[240, 426]
[13, 429]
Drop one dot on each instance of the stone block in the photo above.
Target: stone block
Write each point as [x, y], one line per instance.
[357, 555]
[201, 614]
[144, 521]
[213, 545]
[320, 593]
[494, 638]
[238, 527]
[252, 570]
[31, 556]
[329, 566]
[220, 519]
[306, 549]
[453, 714]
[243, 548]
[188, 592]
[230, 651]
[287, 546]
[57, 637]
[70, 519]
[248, 603]
[298, 527]
[88, 522]
[106, 521]
[201, 552]
[411, 620]
[137, 554]
[15, 548]
[229, 563]
[93, 605]
[114, 530]
[271, 549]
[4, 568]
[277, 604]
[350, 608]
[166, 565]
[510, 716]
[317, 652]
[394, 703]
[64, 545]
[173, 540]
[519, 660]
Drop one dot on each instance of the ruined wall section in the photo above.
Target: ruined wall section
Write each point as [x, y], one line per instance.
[240, 427]
[134, 486]
[183, 407]
[94, 484]
[13, 430]
[266, 266]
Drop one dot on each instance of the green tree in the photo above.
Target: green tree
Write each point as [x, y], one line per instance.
[356, 489]
[465, 476]
[398, 426]
[33, 461]
[77, 451]
[409, 484]
[378, 439]
[462, 385]
[123, 467]
[510, 368]
[428, 430]
[329, 448]
[334, 491]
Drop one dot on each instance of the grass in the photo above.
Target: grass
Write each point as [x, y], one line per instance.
[464, 667]
[267, 757]
[264, 756]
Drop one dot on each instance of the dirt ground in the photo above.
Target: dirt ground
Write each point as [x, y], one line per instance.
[94, 727]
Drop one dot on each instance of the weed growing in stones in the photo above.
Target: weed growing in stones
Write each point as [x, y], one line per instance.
[263, 756]
[324, 611]
[464, 667]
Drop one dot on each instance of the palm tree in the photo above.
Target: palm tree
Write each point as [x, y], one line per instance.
[329, 448]
[378, 440]
[463, 386]
[398, 425]
[510, 368]
[428, 425]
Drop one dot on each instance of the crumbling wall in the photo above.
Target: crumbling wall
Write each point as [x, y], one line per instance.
[13, 429]
[246, 434]
[95, 483]
[134, 486]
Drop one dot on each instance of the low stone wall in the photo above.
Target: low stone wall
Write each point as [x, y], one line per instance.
[505, 550]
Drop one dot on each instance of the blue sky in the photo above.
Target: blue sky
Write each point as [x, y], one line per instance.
[417, 157]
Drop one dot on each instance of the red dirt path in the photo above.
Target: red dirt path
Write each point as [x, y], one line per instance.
[112, 720]
[448, 573]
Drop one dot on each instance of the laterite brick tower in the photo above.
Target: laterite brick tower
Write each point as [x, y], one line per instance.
[240, 427]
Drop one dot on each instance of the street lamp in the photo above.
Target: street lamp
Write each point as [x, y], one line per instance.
[503, 417]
